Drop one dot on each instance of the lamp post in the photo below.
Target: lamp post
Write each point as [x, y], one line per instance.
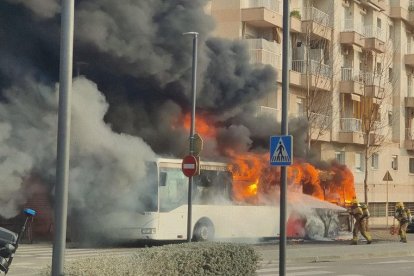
[63, 136]
[192, 129]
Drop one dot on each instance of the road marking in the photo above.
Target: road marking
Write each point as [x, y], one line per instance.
[393, 262]
[320, 272]
[293, 270]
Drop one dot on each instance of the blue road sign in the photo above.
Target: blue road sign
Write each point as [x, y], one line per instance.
[281, 150]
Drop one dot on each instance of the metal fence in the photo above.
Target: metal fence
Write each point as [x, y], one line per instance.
[350, 125]
[273, 5]
[314, 14]
[312, 66]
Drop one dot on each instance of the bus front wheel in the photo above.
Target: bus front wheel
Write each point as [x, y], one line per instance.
[203, 230]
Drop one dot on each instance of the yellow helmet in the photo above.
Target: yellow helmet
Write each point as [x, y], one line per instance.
[399, 205]
[354, 202]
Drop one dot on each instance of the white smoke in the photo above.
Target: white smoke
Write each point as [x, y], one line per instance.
[104, 166]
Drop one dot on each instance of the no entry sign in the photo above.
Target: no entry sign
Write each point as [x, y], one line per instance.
[189, 165]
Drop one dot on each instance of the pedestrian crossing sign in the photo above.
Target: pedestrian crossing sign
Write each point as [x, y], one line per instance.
[281, 150]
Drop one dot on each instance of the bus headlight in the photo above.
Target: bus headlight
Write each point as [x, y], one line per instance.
[148, 231]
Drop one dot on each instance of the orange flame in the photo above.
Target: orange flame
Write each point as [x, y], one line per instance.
[202, 125]
[254, 177]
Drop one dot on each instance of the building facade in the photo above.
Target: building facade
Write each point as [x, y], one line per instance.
[351, 69]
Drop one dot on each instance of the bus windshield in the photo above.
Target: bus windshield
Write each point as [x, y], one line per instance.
[212, 186]
[173, 189]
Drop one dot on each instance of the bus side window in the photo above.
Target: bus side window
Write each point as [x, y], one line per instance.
[163, 178]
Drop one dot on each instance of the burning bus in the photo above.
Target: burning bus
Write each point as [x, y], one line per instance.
[225, 206]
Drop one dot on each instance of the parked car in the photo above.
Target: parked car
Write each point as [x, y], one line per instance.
[410, 228]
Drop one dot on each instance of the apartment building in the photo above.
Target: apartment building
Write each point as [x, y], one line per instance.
[351, 76]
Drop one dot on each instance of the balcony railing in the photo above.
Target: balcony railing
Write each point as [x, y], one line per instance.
[349, 26]
[409, 134]
[314, 14]
[273, 5]
[368, 78]
[263, 44]
[314, 67]
[267, 112]
[351, 125]
[262, 51]
[370, 31]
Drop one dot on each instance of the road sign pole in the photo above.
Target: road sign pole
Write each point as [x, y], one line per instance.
[284, 130]
[386, 205]
[192, 129]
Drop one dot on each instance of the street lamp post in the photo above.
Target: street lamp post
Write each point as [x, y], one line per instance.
[192, 129]
[63, 136]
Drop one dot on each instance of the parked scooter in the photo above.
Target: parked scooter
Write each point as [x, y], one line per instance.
[9, 241]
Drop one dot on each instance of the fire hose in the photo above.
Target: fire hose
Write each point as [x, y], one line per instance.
[393, 228]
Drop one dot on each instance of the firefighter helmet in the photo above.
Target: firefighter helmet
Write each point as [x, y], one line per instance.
[354, 202]
[399, 205]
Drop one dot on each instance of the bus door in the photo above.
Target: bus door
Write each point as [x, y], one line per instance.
[173, 191]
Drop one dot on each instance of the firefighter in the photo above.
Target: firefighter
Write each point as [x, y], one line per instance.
[365, 215]
[403, 215]
[360, 223]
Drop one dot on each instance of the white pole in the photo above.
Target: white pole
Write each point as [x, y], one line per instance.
[63, 136]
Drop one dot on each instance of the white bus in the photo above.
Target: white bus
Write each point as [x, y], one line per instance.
[214, 214]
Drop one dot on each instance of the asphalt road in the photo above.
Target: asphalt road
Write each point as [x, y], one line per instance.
[383, 256]
[401, 266]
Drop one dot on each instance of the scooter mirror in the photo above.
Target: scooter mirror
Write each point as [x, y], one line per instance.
[29, 212]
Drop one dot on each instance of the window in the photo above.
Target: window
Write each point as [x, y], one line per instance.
[390, 76]
[379, 68]
[379, 23]
[394, 162]
[411, 165]
[390, 118]
[300, 106]
[358, 162]
[374, 161]
[340, 157]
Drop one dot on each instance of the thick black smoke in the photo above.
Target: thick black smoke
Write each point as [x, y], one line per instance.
[130, 99]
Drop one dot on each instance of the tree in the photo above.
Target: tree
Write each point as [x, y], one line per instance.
[318, 68]
[378, 86]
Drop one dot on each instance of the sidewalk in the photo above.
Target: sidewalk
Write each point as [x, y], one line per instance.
[384, 245]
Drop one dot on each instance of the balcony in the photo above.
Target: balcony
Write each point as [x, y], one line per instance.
[316, 22]
[351, 34]
[409, 102]
[266, 111]
[373, 87]
[351, 82]
[262, 51]
[262, 13]
[374, 38]
[360, 83]
[319, 74]
[379, 4]
[409, 59]
[403, 10]
[409, 139]
[350, 131]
